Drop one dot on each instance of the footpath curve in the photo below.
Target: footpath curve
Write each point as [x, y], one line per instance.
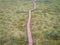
[30, 40]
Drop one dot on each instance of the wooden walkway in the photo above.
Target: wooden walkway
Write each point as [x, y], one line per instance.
[30, 41]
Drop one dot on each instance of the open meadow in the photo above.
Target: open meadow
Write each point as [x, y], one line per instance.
[45, 20]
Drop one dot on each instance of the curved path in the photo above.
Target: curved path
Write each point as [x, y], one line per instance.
[30, 41]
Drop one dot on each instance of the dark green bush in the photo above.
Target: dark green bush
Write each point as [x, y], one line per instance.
[55, 35]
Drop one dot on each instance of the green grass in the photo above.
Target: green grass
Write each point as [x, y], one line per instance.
[44, 18]
[13, 18]
[13, 27]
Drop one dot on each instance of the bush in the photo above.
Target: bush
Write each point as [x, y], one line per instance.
[53, 35]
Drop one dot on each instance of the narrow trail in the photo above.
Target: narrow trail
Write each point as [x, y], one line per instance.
[30, 40]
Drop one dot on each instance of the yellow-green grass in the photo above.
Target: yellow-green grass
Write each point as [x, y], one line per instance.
[13, 18]
[13, 28]
[45, 19]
